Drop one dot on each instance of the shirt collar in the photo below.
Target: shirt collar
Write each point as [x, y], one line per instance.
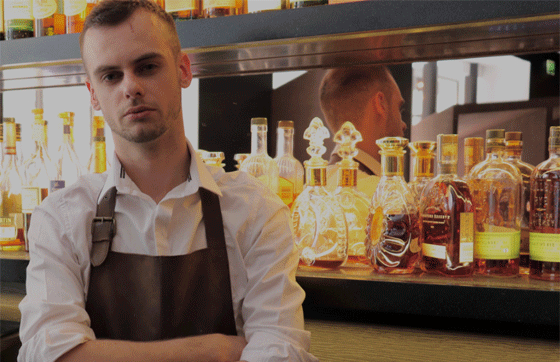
[199, 177]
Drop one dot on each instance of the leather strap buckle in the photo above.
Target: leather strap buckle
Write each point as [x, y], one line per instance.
[102, 228]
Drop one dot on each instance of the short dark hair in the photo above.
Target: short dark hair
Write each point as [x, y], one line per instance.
[115, 12]
[344, 91]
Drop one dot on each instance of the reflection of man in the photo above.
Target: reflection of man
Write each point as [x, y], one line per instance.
[369, 97]
[201, 265]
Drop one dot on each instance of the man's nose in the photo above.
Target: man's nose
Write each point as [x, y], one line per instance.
[132, 86]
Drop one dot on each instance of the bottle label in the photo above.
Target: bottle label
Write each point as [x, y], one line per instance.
[434, 251]
[74, 7]
[179, 5]
[211, 4]
[30, 197]
[286, 190]
[18, 9]
[44, 8]
[262, 5]
[544, 247]
[497, 245]
[466, 235]
[8, 231]
[57, 185]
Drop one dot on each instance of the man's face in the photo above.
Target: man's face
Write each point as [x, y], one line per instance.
[395, 126]
[135, 78]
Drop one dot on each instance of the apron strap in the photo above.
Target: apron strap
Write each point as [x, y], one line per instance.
[103, 227]
[212, 214]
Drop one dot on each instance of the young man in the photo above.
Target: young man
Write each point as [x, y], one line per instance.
[369, 97]
[137, 264]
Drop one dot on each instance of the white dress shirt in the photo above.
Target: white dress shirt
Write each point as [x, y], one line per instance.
[261, 252]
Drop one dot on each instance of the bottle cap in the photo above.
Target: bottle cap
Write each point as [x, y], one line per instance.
[495, 133]
[285, 124]
[392, 143]
[37, 111]
[474, 142]
[514, 136]
[423, 148]
[259, 121]
[9, 120]
[447, 148]
[554, 139]
[315, 134]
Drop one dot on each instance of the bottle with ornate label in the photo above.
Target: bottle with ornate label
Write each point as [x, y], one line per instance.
[76, 12]
[290, 181]
[239, 158]
[473, 153]
[423, 165]
[68, 164]
[260, 164]
[98, 155]
[18, 19]
[354, 203]
[49, 18]
[392, 224]
[496, 188]
[514, 148]
[217, 8]
[320, 230]
[305, 3]
[11, 220]
[183, 9]
[544, 223]
[213, 158]
[447, 217]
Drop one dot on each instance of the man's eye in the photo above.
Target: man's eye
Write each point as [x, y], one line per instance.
[147, 68]
[109, 77]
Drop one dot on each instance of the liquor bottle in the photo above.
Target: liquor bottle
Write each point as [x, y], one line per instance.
[514, 148]
[544, 223]
[183, 9]
[320, 230]
[49, 18]
[354, 203]
[68, 164]
[11, 220]
[305, 3]
[19, 149]
[496, 188]
[1, 145]
[213, 158]
[217, 8]
[98, 155]
[473, 153]
[18, 19]
[76, 12]
[260, 164]
[257, 6]
[2, 33]
[290, 181]
[447, 217]
[423, 165]
[239, 158]
[392, 224]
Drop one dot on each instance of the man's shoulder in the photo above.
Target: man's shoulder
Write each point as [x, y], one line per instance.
[80, 195]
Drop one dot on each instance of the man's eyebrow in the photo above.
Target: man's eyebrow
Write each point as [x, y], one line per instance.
[143, 58]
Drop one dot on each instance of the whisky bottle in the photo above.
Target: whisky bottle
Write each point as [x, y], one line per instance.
[19, 149]
[423, 165]
[290, 170]
[392, 224]
[514, 148]
[98, 155]
[256, 6]
[320, 231]
[2, 33]
[217, 8]
[18, 19]
[260, 164]
[239, 158]
[213, 158]
[305, 3]
[473, 153]
[68, 164]
[496, 188]
[354, 203]
[544, 223]
[11, 220]
[76, 12]
[49, 18]
[447, 217]
[183, 9]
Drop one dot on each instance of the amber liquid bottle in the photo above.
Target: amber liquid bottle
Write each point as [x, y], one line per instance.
[49, 18]
[544, 224]
[473, 154]
[183, 9]
[76, 12]
[2, 33]
[217, 8]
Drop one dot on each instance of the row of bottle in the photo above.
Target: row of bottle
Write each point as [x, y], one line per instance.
[24, 183]
[503, 216]
[28, 18]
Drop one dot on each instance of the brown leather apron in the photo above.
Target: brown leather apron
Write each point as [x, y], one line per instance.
[145, 298]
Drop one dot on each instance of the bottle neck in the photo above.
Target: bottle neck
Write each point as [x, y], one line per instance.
[514, 150]
[392, 165]
[554, 151]
[285, 142]
[423, 167]
[447, 168]
[316, 176]
[258, 140]
[347, 177]
[494, 151]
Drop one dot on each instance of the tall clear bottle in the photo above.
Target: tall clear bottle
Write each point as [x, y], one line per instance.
[514, 148]
[290, 181]
[98, 155]
[544, 224]
[447, 217]
[392, 225]
[496, 187]
[320, 230]
[423, 165]
[49, 18]
[260, 164]
[354, 203]
[473, 154]
[11, 220]
[68, 163]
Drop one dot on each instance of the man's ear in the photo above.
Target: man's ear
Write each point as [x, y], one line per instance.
[380, 103]
[185, 70]
[93, 99]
